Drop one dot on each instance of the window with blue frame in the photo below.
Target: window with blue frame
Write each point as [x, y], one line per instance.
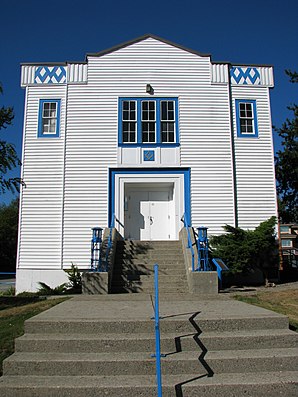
[49, 118]
[144, 121]
[246, 118]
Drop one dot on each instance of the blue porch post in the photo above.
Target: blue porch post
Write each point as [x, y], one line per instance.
[203, 260]
[96, 248]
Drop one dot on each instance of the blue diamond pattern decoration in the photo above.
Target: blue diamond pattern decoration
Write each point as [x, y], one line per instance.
[148, 155]
[245, 75]
[50, 75]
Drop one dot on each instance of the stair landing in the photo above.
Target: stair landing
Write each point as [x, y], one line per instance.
[101, 346]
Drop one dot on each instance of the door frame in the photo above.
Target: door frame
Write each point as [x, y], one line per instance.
[180, 178]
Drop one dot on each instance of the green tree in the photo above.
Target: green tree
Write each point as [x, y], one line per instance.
[8, 235]
[8, 155]
[286, 164]
[244, 250]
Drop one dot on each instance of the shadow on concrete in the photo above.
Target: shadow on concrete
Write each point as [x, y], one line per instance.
[201, 358]
[129, 267]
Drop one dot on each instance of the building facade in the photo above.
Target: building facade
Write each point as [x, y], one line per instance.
[143, 133]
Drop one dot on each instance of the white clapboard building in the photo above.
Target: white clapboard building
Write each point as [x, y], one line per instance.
[146, 132]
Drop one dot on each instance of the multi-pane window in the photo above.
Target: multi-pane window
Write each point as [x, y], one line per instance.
[286, 243]
[167, 121]
[49, 118]
[246, 118]
[146, 121]
[129, 121]
[284, 229]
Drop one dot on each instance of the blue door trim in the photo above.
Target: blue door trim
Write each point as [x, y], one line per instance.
[149, 171]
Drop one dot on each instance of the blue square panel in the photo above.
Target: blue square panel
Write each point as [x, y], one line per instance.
[149, 155]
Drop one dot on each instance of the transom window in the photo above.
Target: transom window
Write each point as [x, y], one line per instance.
[49, 118]
[144, 121]
[246, 115]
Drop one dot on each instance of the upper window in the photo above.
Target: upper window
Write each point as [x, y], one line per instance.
[286, 243]
[49, 118]
[284, 229]
[144, 121]
[246, 116]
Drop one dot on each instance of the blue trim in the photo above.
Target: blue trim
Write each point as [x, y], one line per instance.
[150, 171]
[139, 142]
[40, 132]
[149, 145]
[255, 119]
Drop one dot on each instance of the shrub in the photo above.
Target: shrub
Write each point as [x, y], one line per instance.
[75, 280]
[244, 250]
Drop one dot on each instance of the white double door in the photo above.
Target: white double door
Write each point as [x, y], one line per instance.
[148, 214]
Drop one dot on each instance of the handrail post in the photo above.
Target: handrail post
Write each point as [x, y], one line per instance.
[157, 333]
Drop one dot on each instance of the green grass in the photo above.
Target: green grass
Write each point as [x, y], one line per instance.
[12, 318]
[283, 302]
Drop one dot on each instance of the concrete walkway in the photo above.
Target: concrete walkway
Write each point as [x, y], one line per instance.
[95, 346]
[128, 307]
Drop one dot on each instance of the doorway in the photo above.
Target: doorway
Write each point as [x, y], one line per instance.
[149, 212]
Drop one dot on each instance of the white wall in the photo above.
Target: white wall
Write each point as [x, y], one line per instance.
[67, 178]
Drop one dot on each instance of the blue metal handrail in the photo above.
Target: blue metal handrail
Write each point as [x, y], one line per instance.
[157, 354]
[189, 242]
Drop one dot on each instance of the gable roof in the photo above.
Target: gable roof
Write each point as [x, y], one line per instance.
[141, 38]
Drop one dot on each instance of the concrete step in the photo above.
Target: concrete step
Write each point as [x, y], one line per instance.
[141, 363]
[186, 385]
[188, 323]
[263, 360]
[118, 363]
[175, 259]
[147, 281]
[147, 270]
[162, 278]
[170, 342]
[138, 287]
[136, 244]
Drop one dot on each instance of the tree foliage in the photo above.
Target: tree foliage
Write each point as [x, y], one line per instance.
[286, 164]
[8, 155]
[8, 235]
[244, 250]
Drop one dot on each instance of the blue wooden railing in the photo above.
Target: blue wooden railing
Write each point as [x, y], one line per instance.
[157, 354]
[189, 242]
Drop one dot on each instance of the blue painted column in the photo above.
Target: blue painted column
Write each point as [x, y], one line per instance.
[202, 242]
[96, 249]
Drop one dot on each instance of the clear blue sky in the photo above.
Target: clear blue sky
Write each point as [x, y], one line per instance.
[241, 32]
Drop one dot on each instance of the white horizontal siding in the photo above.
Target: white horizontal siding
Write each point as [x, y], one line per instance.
[41, 206]
[254, 163]
[206, 148]
[92, 136]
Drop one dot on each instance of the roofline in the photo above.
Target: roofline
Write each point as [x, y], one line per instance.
[52, 63]
[137, 40]
[261, 65]
[141, 38]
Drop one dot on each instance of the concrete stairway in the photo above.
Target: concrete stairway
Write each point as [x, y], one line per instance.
[134, 261]
[100, 346]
